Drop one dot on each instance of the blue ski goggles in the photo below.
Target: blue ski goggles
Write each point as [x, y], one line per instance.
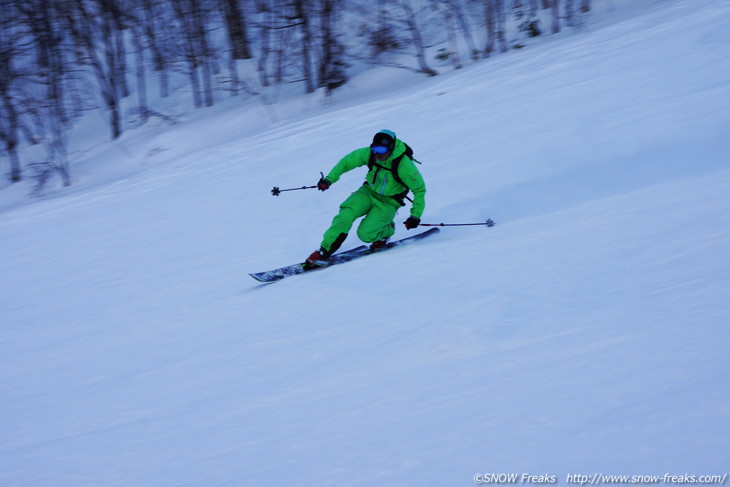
[379, 149]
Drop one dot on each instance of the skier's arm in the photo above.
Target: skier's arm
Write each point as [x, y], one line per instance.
[410, 175]
[354, 159]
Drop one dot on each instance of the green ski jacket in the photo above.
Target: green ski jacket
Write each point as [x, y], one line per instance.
[380, 178]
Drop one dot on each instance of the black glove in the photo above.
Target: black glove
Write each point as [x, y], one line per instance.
[412, 222]
[323, 184]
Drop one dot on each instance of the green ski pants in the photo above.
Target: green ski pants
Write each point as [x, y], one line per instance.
[377, 224]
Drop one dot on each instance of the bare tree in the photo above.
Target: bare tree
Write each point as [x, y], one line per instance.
[236, 28]
[332, 63]
[411, 24]
[9, 116]
[461, 18]
[381, 34]
[532, 25]
[570, 18]
[45, 108]
[267, 26]
[489, 21]
[288, 45]
[141, 72]
[556, 16]
[59, 122]
[95, 28]
[303, 17]
[453, 54]
[495, 20]
[151, 20]
[192, 19]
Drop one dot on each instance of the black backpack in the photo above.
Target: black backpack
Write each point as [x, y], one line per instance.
[394, 170]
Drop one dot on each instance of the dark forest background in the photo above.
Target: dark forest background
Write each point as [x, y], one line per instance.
[62, 58]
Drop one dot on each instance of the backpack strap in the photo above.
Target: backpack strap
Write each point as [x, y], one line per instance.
[394, 170]
[393, 167]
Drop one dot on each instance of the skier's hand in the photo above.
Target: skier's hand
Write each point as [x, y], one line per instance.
[412, 222]
[323, 184]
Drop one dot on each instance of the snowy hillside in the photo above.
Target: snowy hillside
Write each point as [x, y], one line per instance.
[586, 333]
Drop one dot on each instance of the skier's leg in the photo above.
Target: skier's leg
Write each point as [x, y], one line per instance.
[378, 224]
[355, 206]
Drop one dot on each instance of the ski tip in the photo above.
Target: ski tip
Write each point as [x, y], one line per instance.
[260, 279]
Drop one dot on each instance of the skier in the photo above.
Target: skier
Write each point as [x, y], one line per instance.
[391, 174]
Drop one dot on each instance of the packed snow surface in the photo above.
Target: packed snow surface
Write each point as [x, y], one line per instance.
[586, 333]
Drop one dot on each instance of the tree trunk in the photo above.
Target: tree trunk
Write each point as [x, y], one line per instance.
[236, 27]
[9, 133]
[15, 175]
[191, 25]
[556, 16]
[302, 14]
[489, 11]
[501, 25]
[453, 45]
[570, 19]
[465, 29]
[412, 27]
[159, 62]
[204, 54]
[144, 110]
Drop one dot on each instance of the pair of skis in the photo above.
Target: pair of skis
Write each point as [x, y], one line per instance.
[338, 258]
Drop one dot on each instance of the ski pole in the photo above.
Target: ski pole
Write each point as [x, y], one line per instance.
[489, 223]
[276, 191]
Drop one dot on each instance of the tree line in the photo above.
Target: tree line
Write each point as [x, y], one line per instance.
[61, 58]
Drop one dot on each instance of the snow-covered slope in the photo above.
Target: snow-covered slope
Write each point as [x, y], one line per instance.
[586, 333]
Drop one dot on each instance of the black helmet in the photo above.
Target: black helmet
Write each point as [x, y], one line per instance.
[384, 138]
